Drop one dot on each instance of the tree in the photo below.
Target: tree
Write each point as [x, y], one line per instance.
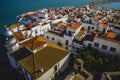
[99, 62]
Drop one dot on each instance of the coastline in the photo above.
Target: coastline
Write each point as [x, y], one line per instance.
[72, 28]
[92, 4]
[98, 4]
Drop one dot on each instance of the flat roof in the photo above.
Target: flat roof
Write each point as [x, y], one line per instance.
[81, 33]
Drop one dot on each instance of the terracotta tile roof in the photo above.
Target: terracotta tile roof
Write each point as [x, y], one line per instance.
[74, 26]
[104, 21]
[98, 17]
[111, 35]
[60, 22]
[61, 26]
[35, 44]
[36, 23]
[15, 25]
[32, 15]
[19, 36]
[45, 58]
[105, 25]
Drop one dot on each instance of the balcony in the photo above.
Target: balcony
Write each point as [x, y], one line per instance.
[67, 37]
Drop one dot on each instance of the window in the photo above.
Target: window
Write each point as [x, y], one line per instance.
[112, 49]
[53, 38]
[59, 43]
[70, 33]
[35, 31]
[67, 48]
[55, 68]
[67, 42]
[55, 75]
[92, 27]
[104, 47]
[89, 44]
[47, 37]
[88, 27]
[96, 44]
[104, 30]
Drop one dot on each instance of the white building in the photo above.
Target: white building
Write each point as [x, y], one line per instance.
[104, 27]
[40, 29]
[90, 27]
[78, 41]
[9, 41]
[106, 44]
[17, 27]
[63, 35]
[31, 30]
[42, 59]
[110, 47]
[42, 15]
[63, 19]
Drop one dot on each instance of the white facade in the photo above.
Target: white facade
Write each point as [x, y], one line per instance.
[45, 28]
[43, 15]
[90, 27]
[64, 19]
[86, 43]
[40, 30]
[57, 39]
[65, 41]
[18, 28]
[71, 37]
[102, 42]
[109, 44]
[25, 22]
[69, 40]
[104, 30]
[61, 66]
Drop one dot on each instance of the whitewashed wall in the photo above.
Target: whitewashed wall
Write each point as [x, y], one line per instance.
[62, 65]
[62, 19]
[109, 44]
[56, 39]
[85, 25]
[40, 29]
